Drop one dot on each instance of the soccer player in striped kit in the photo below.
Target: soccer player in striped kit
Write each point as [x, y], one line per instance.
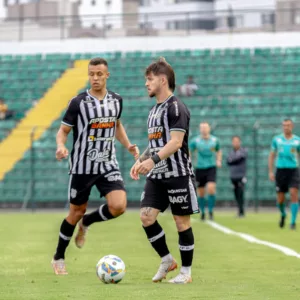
[94, 116]
[169, 171]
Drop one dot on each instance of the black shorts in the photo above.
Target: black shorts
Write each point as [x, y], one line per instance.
[286, 179]
[80, 185]
[203, 176]
[179, 192]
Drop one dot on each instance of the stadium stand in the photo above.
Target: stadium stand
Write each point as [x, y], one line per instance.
[241, 91]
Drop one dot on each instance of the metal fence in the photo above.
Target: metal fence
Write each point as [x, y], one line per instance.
[39, 173]
[41, 27]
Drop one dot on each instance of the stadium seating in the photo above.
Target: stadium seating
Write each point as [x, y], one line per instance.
[241, 91]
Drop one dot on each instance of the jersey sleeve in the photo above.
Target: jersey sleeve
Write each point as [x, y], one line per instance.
[121, 108]
[274, 145]
[178, 117]
[70, 117]
[218, 147]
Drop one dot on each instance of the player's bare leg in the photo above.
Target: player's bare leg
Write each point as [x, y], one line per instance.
[66, 231]
[157, 238]
[116, 206]
[186, 246]
[281, 206]
[294, 207]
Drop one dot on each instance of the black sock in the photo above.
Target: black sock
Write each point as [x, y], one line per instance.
[186, 246]
[99, 215]
[157, 238]
[65, 235]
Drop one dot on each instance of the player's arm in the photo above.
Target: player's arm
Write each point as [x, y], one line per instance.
[61, 139]
[218, 155]
[144, 156]
[122, 137]
[271, 160]
[170, 148]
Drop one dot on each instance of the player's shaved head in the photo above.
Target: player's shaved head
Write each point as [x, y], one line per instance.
[161, 67]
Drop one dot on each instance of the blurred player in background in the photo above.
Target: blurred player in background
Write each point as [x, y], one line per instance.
[286, 147]
[209, 156]
[236, 161]
[94, 116]
[169, 172]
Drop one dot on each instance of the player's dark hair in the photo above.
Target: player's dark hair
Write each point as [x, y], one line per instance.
[288, 120]
[161, 67]
[98, 61]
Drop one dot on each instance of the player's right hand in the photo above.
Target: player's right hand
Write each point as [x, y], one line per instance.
[271, 176]
[61, 152]
[133, 172]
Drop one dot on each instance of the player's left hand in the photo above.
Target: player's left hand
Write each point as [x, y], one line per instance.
[219, 163]
[134, 151]
[145, 167]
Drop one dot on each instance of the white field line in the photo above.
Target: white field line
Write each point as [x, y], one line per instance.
[251, 239]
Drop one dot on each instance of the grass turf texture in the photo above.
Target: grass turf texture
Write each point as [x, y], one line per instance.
[225, 267]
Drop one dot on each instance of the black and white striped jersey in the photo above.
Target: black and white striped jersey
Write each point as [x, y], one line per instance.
[171, 115]
[94, 128]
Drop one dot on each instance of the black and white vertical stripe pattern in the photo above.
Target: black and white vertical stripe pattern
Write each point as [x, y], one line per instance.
[178, 164]
[81, 159]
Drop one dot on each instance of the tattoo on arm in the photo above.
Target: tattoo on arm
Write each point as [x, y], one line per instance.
[146, 211]
[145, 155]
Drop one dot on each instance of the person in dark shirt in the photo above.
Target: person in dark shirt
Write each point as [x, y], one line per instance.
[236, 161]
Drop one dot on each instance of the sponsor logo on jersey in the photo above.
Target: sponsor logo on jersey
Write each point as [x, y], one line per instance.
[98, 156]
[178, 199]
[93, 138]
[102, 123]
[155, 133]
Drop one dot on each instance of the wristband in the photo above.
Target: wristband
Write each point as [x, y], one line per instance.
[156, 159]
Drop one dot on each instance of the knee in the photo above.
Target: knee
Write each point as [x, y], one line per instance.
[182, 222]
[76, 214]
[117, 209]
[147, 220]
[211, 190]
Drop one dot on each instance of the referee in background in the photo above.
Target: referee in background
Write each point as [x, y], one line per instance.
[236, 161]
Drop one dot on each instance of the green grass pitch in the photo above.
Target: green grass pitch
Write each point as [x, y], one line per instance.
[225, 267]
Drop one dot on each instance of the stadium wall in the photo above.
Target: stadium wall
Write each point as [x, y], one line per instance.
[201, 41]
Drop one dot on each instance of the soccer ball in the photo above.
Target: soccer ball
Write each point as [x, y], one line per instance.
[110, 269]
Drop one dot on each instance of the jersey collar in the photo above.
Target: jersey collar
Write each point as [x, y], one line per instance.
[98, 101]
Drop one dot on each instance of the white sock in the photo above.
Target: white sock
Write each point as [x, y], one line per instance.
[167, 257]
[186, 270]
